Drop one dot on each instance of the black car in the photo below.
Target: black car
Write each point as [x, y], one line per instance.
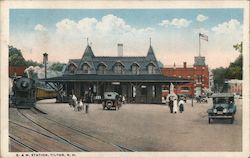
[223, 107]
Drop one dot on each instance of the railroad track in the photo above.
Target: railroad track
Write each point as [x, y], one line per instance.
[121, 147]
[56, 136]
[20, 145]
[38, 140]
[88, 143]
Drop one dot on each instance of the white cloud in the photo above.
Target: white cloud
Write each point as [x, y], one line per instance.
[113, 23]
[66, 25]
[201, 17]
[176, 22]
[109, 24]
[230, 27]
[40, 27]
[87, 25]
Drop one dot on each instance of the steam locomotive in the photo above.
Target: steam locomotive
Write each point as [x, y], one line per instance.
[24, 92]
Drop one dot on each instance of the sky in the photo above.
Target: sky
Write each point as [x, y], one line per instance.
[63, 33]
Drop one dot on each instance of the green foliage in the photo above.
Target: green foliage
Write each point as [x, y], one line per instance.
[233, 71]
[16, 57]
[238, 47]
[219, 77]
[57, 66]
[33, 63]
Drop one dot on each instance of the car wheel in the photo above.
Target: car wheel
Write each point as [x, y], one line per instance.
[232, 120]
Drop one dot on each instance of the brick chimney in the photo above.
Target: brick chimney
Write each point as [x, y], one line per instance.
[120, 49]
[185, 64]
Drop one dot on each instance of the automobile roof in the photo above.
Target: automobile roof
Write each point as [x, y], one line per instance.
[218, 95]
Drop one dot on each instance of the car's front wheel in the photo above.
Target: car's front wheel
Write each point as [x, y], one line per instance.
[209, 120]
[232, 119]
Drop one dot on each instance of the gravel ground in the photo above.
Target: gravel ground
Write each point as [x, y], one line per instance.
[151, 127]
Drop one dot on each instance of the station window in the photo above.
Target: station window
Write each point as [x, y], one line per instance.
[86, 68]
[135, 69]
[101, 69]
[72, 68]
[151, 69]
[118, 68]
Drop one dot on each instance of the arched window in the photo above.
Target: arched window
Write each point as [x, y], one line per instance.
[72, 68]
[118, 68]
[101, 69]
[151, 68]
[86, 68]
[135, 69]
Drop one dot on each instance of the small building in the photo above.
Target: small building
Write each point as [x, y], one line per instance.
[138, 78]
[16, 70]
[198, 73]
[234, 86]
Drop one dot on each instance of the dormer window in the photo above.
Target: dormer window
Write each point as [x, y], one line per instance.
[135, 69]
[118, 68]
[101, 70]
[151, 68]
[86, 68]
[72, 68]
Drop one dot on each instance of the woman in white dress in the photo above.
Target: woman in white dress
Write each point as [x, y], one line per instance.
[175, 108]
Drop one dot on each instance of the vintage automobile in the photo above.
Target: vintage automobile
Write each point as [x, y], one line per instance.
[223, 107]
[111, 100]
[201, 99]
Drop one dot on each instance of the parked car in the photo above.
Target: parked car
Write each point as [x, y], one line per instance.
[111, 100]
[201, 99]
[223, 107]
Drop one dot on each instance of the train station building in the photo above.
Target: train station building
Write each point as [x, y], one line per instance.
[138, 78]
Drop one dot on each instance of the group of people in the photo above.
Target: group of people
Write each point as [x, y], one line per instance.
[79, 103]
[176, 104]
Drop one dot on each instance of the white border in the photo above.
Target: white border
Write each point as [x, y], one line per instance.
[6, 5]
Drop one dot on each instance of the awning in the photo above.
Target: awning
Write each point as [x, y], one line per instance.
[118, 78]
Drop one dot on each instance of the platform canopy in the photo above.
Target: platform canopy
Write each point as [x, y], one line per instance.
[118, 78]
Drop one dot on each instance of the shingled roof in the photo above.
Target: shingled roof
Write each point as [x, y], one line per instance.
[109, 61]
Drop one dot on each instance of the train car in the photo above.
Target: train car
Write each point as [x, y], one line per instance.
[24, 92]
[45, 93]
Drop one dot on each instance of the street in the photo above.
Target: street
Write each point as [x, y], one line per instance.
[151, 127]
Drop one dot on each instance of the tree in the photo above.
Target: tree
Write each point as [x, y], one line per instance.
[234, 71]
[33, 63]
[57, 66]
[15, 57]
[219, 78]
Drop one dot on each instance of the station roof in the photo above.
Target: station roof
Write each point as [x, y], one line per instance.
[117, 78]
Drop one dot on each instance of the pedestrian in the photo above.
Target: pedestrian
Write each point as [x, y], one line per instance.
[181, 105]
[87, 101]
[70, 101]
[81, 105]
[171, 104]
[175, 108]
[74, 99]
